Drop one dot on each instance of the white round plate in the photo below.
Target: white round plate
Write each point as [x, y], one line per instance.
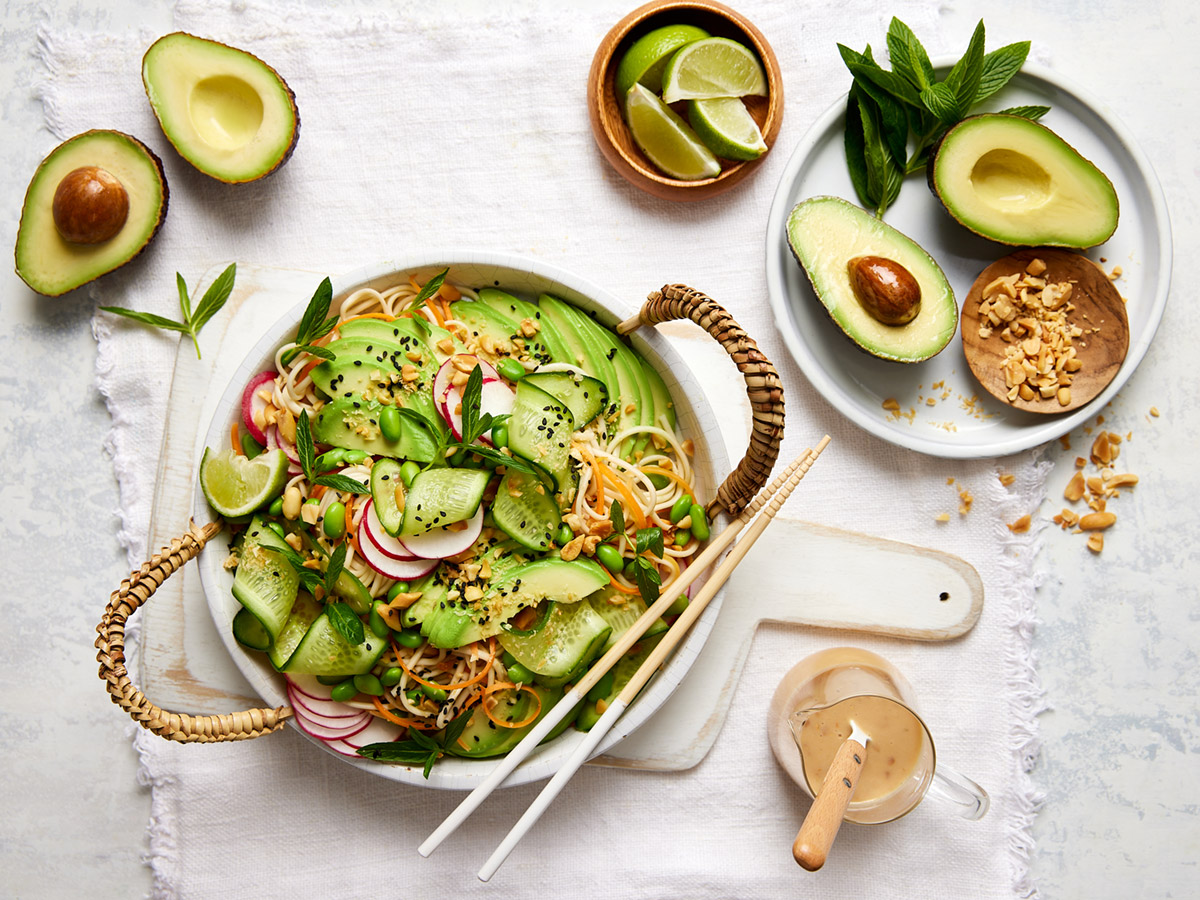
[527, 278]
[954, 425]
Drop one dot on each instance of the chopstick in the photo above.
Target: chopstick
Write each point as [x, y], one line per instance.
[793, 475]
[577, 692]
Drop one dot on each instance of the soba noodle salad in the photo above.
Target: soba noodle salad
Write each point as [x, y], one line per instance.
[450, 502]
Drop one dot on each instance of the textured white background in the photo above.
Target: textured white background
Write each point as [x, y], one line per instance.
[1117, 643]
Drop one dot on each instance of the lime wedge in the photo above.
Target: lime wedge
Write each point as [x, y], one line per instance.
[666, 139]
[713, 67]
[236, 486]
[727, 128]
[645, 60]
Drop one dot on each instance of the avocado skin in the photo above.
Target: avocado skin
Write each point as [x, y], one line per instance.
[162, 211]
[291, 96]
[931, 181]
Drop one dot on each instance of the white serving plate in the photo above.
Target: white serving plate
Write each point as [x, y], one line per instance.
[523, 277]
[857, 384]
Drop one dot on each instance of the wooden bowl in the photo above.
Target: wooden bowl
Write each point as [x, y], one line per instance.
[1097, 305]
[608, 121]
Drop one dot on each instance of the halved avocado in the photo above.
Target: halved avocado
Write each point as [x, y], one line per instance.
[225, 110]
[1015, 181]
[93, 205]
[826, 234]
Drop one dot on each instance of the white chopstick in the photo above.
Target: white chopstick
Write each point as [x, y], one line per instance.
[517, 755]
[660, 652]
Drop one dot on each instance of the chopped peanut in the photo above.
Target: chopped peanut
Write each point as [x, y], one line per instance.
[1021, 526]
[1075, 487]
[1097, 521]
[1095, 541]
[1007, 478]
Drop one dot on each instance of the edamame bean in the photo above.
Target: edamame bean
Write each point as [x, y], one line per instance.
[250, 446]
[277, 528]
[565, 535]
[410, 639]
[330, 459]
[500, 436]
[681, 507]
[659, 481]
[603, 687]
[699, 522]
[588, 716]
[389, 423]
[682, 536]
[408, 472]
[434, 693]
[510, 369]
[400, 587]
[368, 684]
[344, 691]
[376, 623]
[508, 659]
[414, 695]
[680, 604]
[458, 458]
[518, 674]
[391, 677]
[334, 521]
[610, 557]
[354, 457]
[330, 680]
[276, 507]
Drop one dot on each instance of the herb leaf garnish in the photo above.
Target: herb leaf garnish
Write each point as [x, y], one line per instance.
[307, 454]
[649, 582]
[314, 324]
[889, 110]
[346, 623]
[420, 749]
[431, 287]
[210, 304]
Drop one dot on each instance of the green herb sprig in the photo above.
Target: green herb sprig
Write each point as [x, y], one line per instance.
[420, 749]
[431, 287]
[645, 572]
[193, 319]
[886, 108]
[307, 454]
[314, 324]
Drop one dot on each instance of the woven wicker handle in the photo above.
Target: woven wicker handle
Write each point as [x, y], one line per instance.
[125, 601]
[678, 301]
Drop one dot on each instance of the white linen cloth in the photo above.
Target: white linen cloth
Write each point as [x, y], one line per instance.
[429, 128]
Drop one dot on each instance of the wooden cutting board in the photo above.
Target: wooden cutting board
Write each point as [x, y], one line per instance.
[898, 589]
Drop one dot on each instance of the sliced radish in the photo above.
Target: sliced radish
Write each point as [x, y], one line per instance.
[497, 398]
[377, 535]
[276, 441]
[378, 732]
[328, 712]
[442, 542]
[251, 403]
[334, 732]
[399, 569]
[310, 687]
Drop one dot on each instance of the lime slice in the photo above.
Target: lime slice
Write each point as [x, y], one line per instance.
[713, 67]
[666, 139]
[236, 486]
[727, 128]
[645, 60]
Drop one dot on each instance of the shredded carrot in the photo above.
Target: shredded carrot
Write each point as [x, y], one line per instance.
[318, 491]
[449, 293]
[598, 481]
[353, 537]
[397, 720]
[309, 366]
[450, 687]
[233, 439]
[634, 509]
[503, 685]
[350, 516]
[620, 587]
[658, 470]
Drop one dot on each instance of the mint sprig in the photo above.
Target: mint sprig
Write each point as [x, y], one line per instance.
[894, 117]
[315, 323]
[307, 453]
[420, 749]
[346, 622]
[193, 320]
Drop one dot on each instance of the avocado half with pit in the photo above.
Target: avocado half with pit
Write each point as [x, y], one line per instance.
[224, 110]
[92, 205]
[1015, 181]
[854, 261]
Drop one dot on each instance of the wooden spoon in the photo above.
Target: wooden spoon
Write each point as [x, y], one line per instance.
[1097, 304]
[824, 818]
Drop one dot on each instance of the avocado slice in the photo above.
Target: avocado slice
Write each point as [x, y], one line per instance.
[590, 353]
[397, 330]
[1014, 181]
[517, 309]
[354, 425]
[224, 110]
[86, 182]
[826, 234]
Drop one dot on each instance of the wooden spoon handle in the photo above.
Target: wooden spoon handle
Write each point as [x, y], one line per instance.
[825, 815]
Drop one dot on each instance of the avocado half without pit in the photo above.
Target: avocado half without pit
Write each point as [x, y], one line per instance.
[93, 205]
[1015, 181]
[880, 288]
[224, 110]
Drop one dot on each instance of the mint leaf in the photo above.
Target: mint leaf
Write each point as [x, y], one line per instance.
[313, 319]
[939, 99]
[650, 539]
[185, 302]
[616, 515]
[999, 67]
[883, 174]
[868, 73]
[472, 398]
[147, 318]
[892, 118]
[214, 298]
[313, 350]
[454, 731]
[1026, 112]
[310, 578]
[908, 57]
[649, 582]
[345, 623]
[340, 482]
[334, 569]
[304, 444]
[964, 78]
[432, 286]
[855, 147]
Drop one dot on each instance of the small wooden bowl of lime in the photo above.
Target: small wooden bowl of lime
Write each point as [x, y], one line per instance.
[685, 98]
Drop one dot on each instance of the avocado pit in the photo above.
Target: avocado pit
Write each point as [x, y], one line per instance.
[886, 289]
[90, 206]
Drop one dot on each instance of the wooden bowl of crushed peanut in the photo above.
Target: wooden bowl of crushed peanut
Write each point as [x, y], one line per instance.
[1044, 330]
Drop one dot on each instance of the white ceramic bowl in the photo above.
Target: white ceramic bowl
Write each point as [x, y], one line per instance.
[523, 277]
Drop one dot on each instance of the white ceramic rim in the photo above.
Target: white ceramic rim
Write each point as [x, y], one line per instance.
[521, 276]
[779, 259]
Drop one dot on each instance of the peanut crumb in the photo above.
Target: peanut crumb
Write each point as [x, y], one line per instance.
[1007, 478]
[1154, 411]
[1021, 526]
[942, 517]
